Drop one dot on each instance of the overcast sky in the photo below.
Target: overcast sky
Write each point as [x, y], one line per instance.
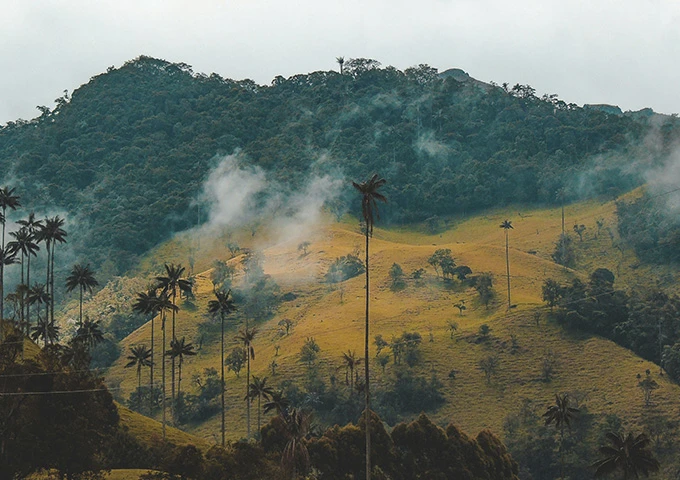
[622, 52]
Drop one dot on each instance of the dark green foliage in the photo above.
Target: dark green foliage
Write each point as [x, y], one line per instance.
[396, 277]
[442, 262]
[564, 253]
[344, 268]
[647, 225]
[149, 129]
[104, 354]
[408, 394]
[309, 351]
[483, 283]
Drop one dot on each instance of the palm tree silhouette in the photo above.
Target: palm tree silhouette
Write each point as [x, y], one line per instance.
[23, 243]
[140, 356]
[11, 201]
[629, 453]
[147, 303]
[295, 454]
[83, 279]
[507, 225]
[7, 257]
[369, 195]
[278, 402]
[224, 306]
[89, 334]
[561, 414]
[341, 62]
[246, 337]
[179, 349]
[33, 226]
[51, 233]
[170, 283]
[162, 305]
[45, 330]
[37, 294]
[351, 362]
[258, 389]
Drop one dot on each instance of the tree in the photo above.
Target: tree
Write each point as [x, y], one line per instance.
[51, 233]
[224, 306]
[278, 403]
[148, 303]
[83, 279]
[139, 357]
[552, 293]
[630, 454]
[452, 327]
[341, 62]
[245, 337]
[397, 277]
[484, 286]
[460, 305]
[579, 229]
[236, 360]
[303, 247]
[309, 351]
[258, 389]
[45, 330]
[564, 251]
[489, 365]
[33, 226]
[178, 350]
[561, 414]
[170, 283]
[286, 323]
[647, 385]
[351, 362]
[23, 243]
[369, 197]
[7, 200]
[295, 455]
[7, 257]
[507, 225]
[88, 334]
[442, 261]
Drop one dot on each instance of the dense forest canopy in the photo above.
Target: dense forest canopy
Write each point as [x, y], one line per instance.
[126, 154]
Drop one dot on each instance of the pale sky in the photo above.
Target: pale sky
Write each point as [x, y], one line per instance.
[622, 52]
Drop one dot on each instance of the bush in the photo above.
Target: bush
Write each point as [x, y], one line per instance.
[345, 268]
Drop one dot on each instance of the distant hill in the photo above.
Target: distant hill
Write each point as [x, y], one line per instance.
[125, 155]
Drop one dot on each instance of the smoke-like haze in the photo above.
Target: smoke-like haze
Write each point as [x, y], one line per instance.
[239, 195]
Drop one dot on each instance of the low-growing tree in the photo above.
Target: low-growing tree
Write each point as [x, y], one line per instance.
[452, 327]
[304, 247]
[380, 344]
[647, 385]
[236, 360]
[396, 277]
[548, 365]
[489, 365]
[579, 230]
[564, 251]
[309, 351]
[460, 305]
[286, 324]
[484, 285]
[552, 293]
[484, 331]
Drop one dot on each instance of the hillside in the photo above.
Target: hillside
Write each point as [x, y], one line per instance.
[125, 156]
[601, 374]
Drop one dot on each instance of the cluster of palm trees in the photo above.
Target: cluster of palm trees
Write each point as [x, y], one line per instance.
[34, 298]
[157, 301]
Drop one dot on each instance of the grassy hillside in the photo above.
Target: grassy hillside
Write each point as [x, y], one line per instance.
[594, 369]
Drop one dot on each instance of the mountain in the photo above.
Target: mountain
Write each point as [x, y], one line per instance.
[125, 156]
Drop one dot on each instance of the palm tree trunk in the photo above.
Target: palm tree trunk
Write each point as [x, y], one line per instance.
[172, 366]
[47, 283]
[222, 377]
[139, 385]
[507, 264]
[247, 396]
[81, 304]
[367, 386]
[151, 385]
[52, 287]
[179, 383]
[259, 399]
[163, 373]
[562, 453]
[28, 306]
[2, 280]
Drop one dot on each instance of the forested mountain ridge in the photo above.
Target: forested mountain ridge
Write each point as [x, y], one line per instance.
[127, 153]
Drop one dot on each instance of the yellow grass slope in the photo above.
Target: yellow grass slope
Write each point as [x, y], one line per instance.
[595, 368]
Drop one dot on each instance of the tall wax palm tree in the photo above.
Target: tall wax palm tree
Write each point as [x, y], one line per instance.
[351, 362]
[163, 304]
[33, 226]
[170, 283]
[245, 337]
[561, 414]
[140, 356]
[179, 349]
[51, 233]
[224, 306]
[24, 244]
[507, 225]
[341, 62]
[369, 197]
[7, 257]
[147, 303]
[11, 201]
[83, 279]
[628, 453]
[259, 389]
